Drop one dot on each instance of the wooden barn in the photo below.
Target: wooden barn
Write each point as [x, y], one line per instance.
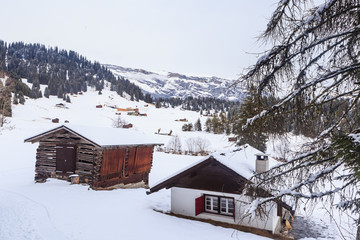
[102, 157]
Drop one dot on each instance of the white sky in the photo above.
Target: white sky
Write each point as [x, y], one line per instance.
[198, 37]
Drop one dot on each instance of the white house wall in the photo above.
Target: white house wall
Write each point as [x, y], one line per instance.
[183, 203]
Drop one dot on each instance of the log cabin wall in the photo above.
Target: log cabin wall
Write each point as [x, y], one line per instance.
[86, 156]
[88, 162]
[124, 165]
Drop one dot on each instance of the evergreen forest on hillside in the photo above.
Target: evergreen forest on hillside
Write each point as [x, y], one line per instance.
[67, 72]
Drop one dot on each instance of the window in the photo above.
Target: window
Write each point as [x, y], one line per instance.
[219, 205]
[211, 204]
[226, 206]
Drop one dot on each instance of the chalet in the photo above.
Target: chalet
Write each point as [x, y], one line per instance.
[102, 157]
[232, 139]
[211, 189]
[127, 125]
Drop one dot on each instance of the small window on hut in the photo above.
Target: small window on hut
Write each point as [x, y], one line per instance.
[211, 204]
[226, 206]
[219, 205]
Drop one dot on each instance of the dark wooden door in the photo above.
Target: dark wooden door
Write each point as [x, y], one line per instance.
[65, 158]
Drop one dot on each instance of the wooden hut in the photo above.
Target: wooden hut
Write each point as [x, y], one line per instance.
[102, 157]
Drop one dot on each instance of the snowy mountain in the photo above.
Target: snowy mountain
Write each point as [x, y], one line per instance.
[168, 84]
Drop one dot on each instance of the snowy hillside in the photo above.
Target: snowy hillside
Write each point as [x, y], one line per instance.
[57, 210]
[167, 84]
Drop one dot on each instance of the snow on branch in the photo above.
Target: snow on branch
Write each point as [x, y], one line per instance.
[299, 90]
[294, 190]
[355, 137]
[319, 11]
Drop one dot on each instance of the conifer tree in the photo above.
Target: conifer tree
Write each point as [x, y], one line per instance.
[60, 92]
[316, 54]
[21, 97]
[208, 125]
[255, 136]
[46, 92]
[197, 125]
[15, 100]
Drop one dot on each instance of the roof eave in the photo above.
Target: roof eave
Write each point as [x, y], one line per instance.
[36, 137]
[132, 145]
[168, 183]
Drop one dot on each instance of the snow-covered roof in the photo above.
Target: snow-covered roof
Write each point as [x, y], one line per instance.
[106, 136]
[240, 159]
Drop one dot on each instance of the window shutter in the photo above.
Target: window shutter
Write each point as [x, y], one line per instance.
[199, 205]
[234, 210]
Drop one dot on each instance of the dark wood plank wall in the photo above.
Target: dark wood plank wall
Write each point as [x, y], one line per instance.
[125, 165]
[45, 165]
[88, 161]
[130, 164]
[212, 177]
[143, 160]
[112, 163]
[86, 154]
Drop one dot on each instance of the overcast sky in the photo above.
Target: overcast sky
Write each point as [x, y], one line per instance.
[198, 37]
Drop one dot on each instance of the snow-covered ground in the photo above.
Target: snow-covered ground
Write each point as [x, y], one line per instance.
[57, 210]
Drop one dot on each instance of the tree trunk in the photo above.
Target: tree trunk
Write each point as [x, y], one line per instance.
[358, 230]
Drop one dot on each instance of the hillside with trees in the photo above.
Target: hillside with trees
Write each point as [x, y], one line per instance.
[64, 72]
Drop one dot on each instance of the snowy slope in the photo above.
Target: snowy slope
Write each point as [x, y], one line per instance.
[167, 84]
[57, 210]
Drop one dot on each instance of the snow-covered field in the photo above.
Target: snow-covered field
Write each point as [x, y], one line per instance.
[58, 210]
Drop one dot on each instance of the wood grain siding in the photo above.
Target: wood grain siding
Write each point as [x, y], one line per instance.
[130, 167]
[45, 160]
[208, 175]
[125, 165]
[212, 177]
[112, 163]
[87, 156]
[143, 159]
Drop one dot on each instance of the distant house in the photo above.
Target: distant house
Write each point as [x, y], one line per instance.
[232, 139]
[55, 120]
[211, 189]
[102, 157]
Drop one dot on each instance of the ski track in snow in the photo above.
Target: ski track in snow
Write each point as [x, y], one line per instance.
[25, 218]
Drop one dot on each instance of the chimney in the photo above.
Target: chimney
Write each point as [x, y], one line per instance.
[262, 163]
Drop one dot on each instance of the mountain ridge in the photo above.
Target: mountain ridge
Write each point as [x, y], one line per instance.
[170, 84]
